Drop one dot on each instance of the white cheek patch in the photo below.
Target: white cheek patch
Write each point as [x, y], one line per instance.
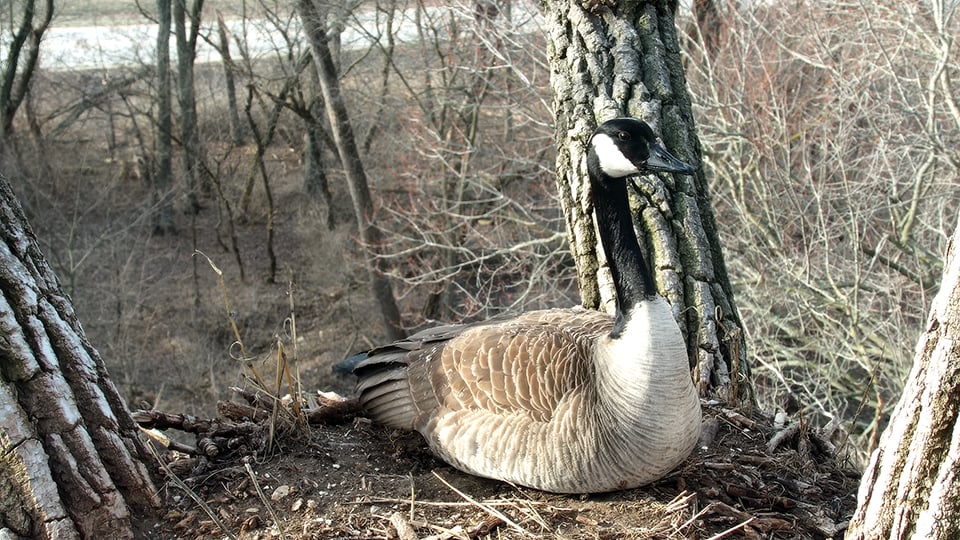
[612, 161]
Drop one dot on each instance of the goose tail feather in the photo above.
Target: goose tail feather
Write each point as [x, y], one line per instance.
[383, 390]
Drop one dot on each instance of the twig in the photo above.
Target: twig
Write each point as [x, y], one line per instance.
[230, 317]
[295, 390]
[486, 508]
[486, 527]
[168, 443]
[330, 407]
[413, 496]
[733, 529]
[263, 498]
[190, 493]
[444, 533]
[681, 501]
[390, 500]
[532, 513]
[739, 419]
[275, 409]
[707, 509]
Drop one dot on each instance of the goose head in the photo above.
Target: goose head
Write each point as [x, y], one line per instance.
[621, 148]
[625, 147]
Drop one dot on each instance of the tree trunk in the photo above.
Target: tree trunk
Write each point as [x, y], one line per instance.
[345, 142]
[314, 173]
[163, 178]
[259, 166]
[70, 456]
[19, 65]
[910, 487]
[626, 61]
[189, 132]
[236, 132]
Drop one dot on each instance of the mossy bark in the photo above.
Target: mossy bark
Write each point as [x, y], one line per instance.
[70, 455]
[623, 58]
[910, 488]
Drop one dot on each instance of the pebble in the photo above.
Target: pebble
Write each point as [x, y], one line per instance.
[281, 492]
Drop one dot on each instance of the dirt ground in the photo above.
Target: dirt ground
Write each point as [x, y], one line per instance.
[342, 477]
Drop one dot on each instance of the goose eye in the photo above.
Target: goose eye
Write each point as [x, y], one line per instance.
[623, 136]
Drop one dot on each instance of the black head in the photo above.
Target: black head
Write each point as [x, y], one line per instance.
[626, 146]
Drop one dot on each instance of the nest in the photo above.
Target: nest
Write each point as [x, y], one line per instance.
[314, 469]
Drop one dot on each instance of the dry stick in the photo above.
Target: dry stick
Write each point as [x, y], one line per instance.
[293, 383]
[168, 443]
[233, 322]
[159, 396]
[297, 390]
[863, 402]
[671, 514]
[512, 504]
[278, 380]
[781, 436]
[457, 531]
[486, 508]
[681, 501]
[532, 513]
[733, 529]
[413, 497]
[263, 498]
[190, 493]
[698, 515]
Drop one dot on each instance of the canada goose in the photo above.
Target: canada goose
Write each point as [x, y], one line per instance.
[561, 400]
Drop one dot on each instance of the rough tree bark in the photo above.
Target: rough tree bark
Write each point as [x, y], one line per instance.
[910, 488]
[344, 140]
[611, 59]
[70, 457]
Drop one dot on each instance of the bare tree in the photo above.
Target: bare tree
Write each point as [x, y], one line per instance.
[626, 61]
[73, 461]
[471, 229]
[163, 177]
[835, 164]
[229, 77]
[20, 63]
[189, 131]
[260, 169]
[910, 487]
[314, 23]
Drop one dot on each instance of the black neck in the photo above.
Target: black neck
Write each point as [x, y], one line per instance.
[632, 279]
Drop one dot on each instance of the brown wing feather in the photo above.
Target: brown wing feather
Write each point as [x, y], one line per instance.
[527, 364]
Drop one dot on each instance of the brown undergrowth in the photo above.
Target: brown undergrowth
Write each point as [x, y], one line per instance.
[330, 473]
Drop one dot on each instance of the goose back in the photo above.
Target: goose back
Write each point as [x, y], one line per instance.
[520, 365]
